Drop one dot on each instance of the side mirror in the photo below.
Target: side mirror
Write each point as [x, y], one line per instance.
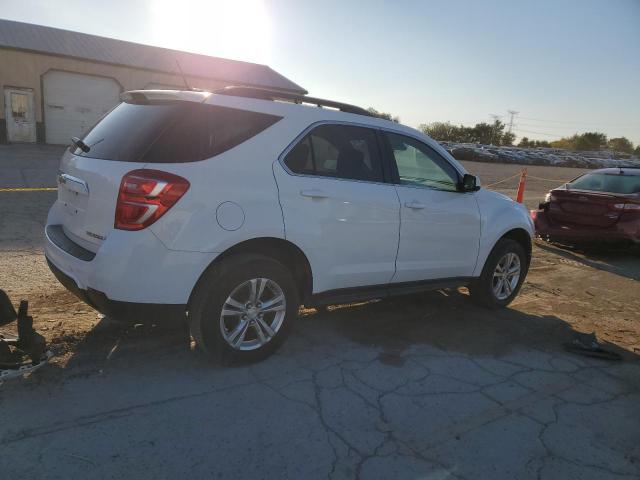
[469, 183]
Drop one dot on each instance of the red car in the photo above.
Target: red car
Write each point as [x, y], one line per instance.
[599, 206]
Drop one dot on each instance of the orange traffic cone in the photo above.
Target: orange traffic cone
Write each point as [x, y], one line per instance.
[523, 181]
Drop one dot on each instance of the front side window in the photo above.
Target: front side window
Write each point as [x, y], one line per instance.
[419, 165]
[338, 151]
[171, 132]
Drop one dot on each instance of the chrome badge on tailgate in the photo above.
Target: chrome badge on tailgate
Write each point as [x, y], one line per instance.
[72, 183]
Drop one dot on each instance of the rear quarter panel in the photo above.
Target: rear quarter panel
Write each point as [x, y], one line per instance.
[241, 176]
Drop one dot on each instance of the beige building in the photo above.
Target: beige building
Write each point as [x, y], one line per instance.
[56, 84]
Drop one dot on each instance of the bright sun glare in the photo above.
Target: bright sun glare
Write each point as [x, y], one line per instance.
[236, 29]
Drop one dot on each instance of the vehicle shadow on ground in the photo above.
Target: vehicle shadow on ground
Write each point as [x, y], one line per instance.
[114, 344]
[446, 320]
[624, 261]
[449, 321]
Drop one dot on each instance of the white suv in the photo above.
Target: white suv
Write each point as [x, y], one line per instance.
[233, 208]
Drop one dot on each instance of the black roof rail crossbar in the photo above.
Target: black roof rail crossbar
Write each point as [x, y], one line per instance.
[266, 94]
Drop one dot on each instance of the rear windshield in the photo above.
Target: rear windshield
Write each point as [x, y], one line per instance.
[171, 132]
[607, 182]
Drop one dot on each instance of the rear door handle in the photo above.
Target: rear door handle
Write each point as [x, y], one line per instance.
[313, 193]
[415, 205]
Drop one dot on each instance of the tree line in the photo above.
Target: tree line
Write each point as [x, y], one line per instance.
[596, 141]
[484, 133]
[495, 134]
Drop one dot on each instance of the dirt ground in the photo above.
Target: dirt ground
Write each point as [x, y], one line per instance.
[424, 386]
[573, 290]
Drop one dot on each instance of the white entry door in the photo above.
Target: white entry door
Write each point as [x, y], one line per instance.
[20, 115]
[74, 102]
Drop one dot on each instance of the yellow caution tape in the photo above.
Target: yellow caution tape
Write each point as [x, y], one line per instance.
[42, 189]
[529, 177]
[556, 180]
[502, 181]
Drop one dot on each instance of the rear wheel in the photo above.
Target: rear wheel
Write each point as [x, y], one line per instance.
[502, 275]
[243, 308]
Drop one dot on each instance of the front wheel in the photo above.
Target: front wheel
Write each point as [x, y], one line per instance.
[243, 308]
[502, 275]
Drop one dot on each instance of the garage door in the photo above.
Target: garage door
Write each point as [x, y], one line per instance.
[73, 103]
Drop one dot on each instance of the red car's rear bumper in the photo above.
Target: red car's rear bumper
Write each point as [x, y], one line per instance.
[619, 232]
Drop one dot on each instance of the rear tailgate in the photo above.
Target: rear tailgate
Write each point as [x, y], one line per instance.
[584, 208]
[89, 181]
[87, 193]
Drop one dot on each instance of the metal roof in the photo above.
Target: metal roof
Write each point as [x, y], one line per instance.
[54, 41]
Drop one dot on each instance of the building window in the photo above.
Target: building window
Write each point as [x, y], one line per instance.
[19, 105]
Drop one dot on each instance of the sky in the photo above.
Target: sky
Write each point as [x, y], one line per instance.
[566, 66]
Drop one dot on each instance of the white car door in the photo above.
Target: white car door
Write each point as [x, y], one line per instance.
[439, 225]
[338, 209]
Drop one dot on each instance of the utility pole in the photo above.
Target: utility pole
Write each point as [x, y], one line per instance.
[513, 113]
[496, 118]
[494, 132]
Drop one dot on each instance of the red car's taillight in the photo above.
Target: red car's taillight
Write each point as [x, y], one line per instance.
[146, 195]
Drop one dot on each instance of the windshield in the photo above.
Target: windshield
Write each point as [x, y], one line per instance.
[607, 182]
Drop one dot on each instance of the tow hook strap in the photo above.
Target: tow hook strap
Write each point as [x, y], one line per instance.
[25, 353]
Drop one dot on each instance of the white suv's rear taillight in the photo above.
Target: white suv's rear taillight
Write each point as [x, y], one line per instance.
[146, 195]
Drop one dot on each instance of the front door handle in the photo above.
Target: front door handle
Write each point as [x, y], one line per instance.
[313, 193]
[415, 205]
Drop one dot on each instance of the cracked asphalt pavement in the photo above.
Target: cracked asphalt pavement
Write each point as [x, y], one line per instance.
[424, 386]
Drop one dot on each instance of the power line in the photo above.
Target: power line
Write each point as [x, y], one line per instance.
[575, 128]
[537, 133]
[517, 129]
[573, 123]
[538, 125]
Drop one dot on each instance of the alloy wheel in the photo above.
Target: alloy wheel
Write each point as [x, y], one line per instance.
[252, 314]
[506, 276]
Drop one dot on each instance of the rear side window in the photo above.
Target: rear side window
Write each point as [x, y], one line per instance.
[607, 182]
[172, 132]
[338, 151]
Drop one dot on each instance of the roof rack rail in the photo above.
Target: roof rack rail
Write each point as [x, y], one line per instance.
[266, 94]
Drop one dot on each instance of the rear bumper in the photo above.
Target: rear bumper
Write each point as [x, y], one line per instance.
[129, 269]
[126, 311]
[621, 232]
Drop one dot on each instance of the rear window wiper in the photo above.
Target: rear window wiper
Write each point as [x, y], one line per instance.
[80, 144]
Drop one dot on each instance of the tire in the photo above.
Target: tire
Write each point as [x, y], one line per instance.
[482, 291]
[233, 278]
